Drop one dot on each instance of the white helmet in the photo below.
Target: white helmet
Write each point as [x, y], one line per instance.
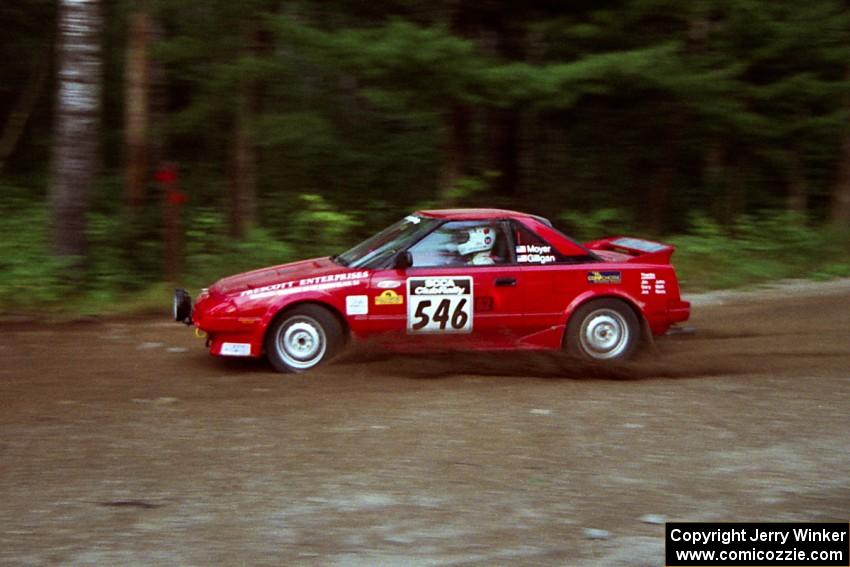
[481, 239]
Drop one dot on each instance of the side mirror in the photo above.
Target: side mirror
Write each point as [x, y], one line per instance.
[404, 260]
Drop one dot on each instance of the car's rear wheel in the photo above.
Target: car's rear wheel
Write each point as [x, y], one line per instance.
[302, 338]
[603, 329]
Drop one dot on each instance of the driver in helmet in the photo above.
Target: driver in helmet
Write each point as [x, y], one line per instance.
[478, 247]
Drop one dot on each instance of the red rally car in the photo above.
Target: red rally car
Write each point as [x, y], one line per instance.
[482, 279]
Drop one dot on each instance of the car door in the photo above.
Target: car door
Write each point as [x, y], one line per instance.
[462, 290]
[543, 268]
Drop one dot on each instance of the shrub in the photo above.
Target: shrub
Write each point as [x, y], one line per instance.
[29, 276]
[756, 249]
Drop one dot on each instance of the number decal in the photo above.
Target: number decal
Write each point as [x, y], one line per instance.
[441, 315]
[420, 316]
[439, 304]
[460, 316]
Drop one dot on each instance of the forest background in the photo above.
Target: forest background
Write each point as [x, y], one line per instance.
[152, 143]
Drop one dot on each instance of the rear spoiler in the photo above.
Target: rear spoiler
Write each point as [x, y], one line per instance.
[640, 250]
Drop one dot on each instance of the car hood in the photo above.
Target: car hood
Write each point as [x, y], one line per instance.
[295, 271]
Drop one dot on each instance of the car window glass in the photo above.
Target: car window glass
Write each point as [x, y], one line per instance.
[531, 249]
[463, 243]
[386, 243]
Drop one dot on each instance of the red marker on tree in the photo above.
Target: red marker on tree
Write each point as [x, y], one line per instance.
[166, 175]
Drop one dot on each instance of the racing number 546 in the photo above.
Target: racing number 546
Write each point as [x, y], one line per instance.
[442, 316]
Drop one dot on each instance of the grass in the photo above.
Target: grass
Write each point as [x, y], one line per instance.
[757, 250]
[121, 278]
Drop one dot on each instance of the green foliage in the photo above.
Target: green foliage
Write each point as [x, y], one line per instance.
[211, 253]
[29, 275]
[466, 189]
[123, 256]
[354, 99]
[317, 229]
[597, 223]
[758, 249]
[709, 256]
[600, 107]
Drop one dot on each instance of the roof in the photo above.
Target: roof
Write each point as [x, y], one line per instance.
[472, 214]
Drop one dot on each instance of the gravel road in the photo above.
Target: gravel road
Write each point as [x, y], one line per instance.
[123, 443]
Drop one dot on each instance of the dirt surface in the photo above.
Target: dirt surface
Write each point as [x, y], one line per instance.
[123, 443]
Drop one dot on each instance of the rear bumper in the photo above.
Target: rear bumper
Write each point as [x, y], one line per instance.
[679, 311]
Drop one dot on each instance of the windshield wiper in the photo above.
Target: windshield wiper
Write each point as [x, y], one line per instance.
[337, 260]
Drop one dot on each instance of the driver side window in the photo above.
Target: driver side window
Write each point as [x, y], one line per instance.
[463, 243]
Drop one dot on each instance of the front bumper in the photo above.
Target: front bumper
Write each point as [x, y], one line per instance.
[228, 332]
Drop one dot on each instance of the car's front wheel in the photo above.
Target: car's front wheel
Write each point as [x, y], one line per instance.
[603, 329]
[302, 338]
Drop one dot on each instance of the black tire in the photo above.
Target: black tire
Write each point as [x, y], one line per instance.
[603, 330]
[302, 338]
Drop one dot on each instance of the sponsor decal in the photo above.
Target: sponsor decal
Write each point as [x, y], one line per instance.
[389, 297]
[649, 283]
[440, 286]
[533, 249]
[413, 219]
[320, 283]
[388, 284]
[356, 305]
[535, 259]
[236, 349]
[334, 278]
[439, 305]
[597, 277]
[534, 254]
[646, 279]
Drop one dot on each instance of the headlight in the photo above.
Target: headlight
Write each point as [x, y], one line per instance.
[224, 308]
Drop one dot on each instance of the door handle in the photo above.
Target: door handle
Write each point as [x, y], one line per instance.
[505, 282]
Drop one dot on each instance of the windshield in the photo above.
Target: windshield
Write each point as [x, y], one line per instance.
[379, 248]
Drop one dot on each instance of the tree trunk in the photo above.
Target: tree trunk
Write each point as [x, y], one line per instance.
[172, 200]
[77, 123]
[659, 194]
[658, 197]
[797, 199]
[736, 195]
[713, 170]
[457, 149]
[506, 122]
[137, 109]
[243, 183]
[457, 119]
[839, 208]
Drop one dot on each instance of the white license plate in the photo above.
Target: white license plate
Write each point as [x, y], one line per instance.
[236, 349]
